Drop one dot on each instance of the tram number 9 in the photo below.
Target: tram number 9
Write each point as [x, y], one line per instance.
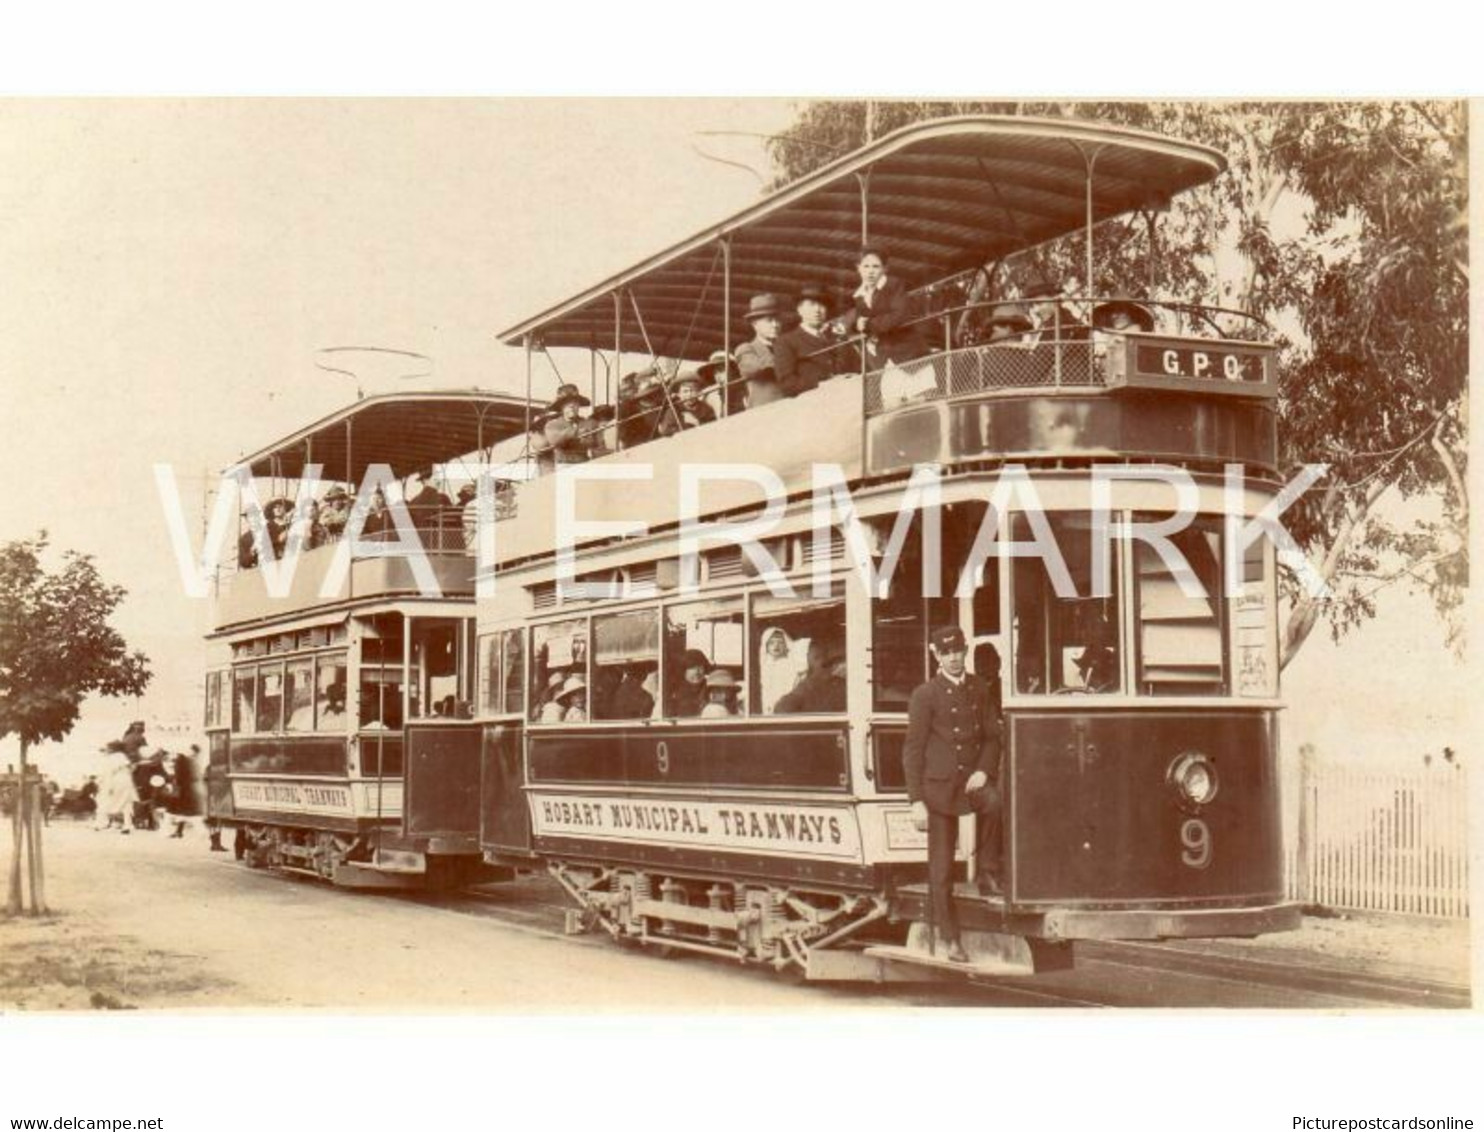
[662, 756]
[1195, 838]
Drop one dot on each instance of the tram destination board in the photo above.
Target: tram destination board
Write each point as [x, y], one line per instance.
[1240, 369]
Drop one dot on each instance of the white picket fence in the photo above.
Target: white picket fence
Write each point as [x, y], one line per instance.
[1380, 840]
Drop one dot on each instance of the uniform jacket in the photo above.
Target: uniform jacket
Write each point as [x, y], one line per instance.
[952, 731]
[798, 371]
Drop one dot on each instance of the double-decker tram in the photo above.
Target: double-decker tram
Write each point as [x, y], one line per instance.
[339, 690]
[704, 744]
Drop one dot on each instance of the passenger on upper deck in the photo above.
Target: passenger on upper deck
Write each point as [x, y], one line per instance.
[1057, 338]
[726, 381]
[280, 515]
[565, 427]
[685, 409]
[803, 356]
[755, 359]
[1050, 320]
[883, 312]
[640, 402]
[600, 435]
[427, 503]
[1008, 322]
[335, 511]
[1121, 315]
[538, 446]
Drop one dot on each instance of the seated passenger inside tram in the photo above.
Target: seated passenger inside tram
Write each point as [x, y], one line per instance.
[722, 690]
[689, 696]
[823, 689]
[632, 698]
[571, 700]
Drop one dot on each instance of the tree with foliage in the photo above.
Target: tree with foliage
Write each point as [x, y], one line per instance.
[56, 648]
[1343, 225]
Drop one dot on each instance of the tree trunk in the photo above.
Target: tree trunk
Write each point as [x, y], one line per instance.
[28, 791]
[38, 861]
[13, 904]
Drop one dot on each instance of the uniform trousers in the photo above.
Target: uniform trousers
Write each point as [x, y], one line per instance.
[943, 842]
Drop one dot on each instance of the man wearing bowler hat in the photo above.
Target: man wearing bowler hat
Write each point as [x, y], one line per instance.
[952, 756]
[755, 359]
[803, 357]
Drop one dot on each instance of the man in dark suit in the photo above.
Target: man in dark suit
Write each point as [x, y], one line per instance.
[883, 312]
[802, 358]
[952, 755]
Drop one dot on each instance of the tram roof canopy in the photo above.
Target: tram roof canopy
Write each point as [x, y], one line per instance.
[943, 196]
[406, 431]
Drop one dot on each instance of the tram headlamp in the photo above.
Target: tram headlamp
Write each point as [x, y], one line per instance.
[1193, 775]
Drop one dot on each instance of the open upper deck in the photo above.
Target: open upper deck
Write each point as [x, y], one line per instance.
[404, 433]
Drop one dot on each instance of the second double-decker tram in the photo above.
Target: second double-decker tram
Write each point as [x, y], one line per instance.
[708, 754]
[339, 689]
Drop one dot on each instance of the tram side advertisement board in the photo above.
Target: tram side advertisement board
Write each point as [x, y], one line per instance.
[758, 827]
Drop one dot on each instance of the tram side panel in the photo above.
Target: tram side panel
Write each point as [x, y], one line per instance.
[504, 814]
[1097, 817]
[441, 797]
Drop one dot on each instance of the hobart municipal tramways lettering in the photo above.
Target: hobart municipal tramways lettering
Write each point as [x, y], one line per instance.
[794, 828]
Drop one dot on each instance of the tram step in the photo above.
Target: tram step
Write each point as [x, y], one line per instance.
[990, 953]
[997, 968]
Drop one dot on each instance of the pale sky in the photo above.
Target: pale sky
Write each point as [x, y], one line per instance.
[168, 270]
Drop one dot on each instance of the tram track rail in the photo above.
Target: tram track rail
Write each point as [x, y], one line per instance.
[535, 912]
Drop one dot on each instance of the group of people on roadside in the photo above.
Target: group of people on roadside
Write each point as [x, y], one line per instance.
[147, 791]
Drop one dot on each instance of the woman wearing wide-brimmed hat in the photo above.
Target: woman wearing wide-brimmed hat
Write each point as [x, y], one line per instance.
[725, 381]
[685, 409]
[564, 429]
[1122, 315]
[721, 695]
[573, 698]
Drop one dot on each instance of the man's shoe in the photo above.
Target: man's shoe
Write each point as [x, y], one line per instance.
[956, 952]
[989, 886]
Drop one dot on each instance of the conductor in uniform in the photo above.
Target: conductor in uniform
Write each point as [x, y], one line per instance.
[952, 756]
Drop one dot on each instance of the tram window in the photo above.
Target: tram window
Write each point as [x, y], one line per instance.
[491, 683]
[1255, 659]
[558, 666]
[330, 686]
[515, 688]
[899, 634]
[1070, 643]
[381, 683]
[298, 695]
[213, 699]
[435, 667]
[626, 658]
[270, 697]
[1180, 636]
[701, 637]
[245, 700]
[798, 645]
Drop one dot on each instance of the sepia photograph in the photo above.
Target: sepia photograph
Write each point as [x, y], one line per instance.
[996, 558]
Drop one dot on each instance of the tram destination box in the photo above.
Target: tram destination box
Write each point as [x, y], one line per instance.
[1211, 366]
